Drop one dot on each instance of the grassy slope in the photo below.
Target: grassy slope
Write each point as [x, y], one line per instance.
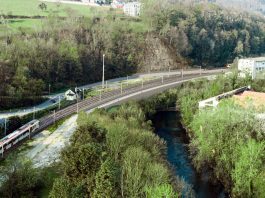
[30, 8]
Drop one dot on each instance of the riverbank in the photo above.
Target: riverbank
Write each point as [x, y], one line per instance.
[168, 127]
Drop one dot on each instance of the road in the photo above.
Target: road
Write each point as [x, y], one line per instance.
[54, 98]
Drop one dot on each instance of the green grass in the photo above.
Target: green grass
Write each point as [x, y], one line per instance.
[30, 8]
[57, 124]
[113, 109]
[16, 25]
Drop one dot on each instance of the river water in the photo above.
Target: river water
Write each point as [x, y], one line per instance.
[169, 128]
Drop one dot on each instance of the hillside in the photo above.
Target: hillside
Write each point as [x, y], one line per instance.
[254, 6]
[66, 50]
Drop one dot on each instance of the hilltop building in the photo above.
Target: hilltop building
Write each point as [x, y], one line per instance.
[255, 67]
[132, 9]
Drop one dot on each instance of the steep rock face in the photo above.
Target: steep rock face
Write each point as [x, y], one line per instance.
[159, 56]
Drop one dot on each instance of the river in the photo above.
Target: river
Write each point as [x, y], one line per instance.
[168, 127]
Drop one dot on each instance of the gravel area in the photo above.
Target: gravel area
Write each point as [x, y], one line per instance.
[46, 146]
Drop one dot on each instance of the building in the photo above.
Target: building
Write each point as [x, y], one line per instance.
[255, 67]
[132, 9]
[71, 95]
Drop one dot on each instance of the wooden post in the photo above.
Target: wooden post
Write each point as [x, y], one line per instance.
[121, 87]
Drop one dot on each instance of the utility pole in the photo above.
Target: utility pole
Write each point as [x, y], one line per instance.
[103, 72]
[76, 94]
[34, 109]
[182, 73]
[59, 102]
[49, 89]
[5, 127]
[53, 116]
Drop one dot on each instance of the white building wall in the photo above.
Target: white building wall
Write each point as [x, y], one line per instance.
[252, 66]
[132, 8]
[246, 67]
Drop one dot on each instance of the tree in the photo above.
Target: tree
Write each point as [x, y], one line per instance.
[82, 161]
[42, 6]
[248, 169]
[161, 191]
[107, 180]
[20, 179]
[64, 188]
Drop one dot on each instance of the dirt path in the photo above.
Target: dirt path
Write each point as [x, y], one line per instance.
[45, 147]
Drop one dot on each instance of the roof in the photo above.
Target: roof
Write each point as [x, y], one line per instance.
[255, 98]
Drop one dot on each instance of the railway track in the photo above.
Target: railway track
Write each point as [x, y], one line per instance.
[110, 95]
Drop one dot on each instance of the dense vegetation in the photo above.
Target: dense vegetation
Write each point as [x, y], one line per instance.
[121, 159]
[65, 54]
[205, 33]
[20, 179]
[232, 141]
[229, 139]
